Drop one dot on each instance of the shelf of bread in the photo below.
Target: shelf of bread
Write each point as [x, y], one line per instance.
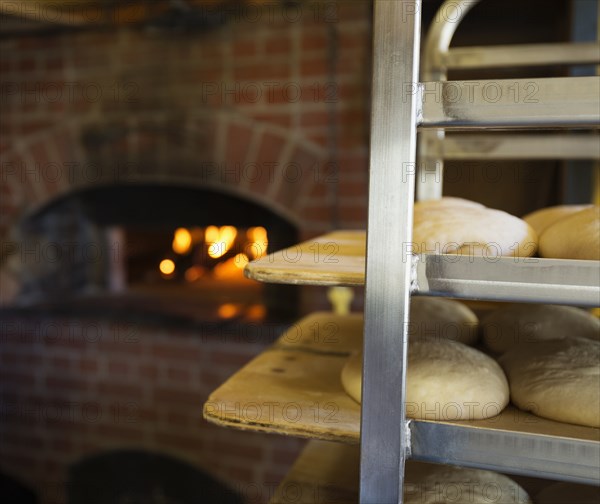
[338, 258]
[294, 388]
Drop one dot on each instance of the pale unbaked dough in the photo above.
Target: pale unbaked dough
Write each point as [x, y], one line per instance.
[446, 380]
[442, 318]
[454, 226]
[442, 484]
[576, 236]
[522, 323]
[541, 219]
[559, 380]
[561, 493]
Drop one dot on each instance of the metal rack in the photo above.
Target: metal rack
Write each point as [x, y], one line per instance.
[298, 371]
[401, 103]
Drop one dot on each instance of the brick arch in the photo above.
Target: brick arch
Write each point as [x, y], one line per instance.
[268, 164]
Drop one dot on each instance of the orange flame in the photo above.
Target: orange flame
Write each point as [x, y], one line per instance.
[182, 241]
[225, 237]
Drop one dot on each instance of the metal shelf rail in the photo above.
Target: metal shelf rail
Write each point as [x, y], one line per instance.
[400, 103]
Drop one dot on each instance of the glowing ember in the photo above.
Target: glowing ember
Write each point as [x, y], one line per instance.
[211, 235]
[241, 260]
[228, 311]
[182, 241]
[167, 267]
[256, 312]
[194, 273]
[226, 237]
[258, 242]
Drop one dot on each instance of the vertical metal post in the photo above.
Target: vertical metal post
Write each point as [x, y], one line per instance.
[384, 436]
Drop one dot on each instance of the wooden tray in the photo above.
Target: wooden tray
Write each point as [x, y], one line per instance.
[337, 258]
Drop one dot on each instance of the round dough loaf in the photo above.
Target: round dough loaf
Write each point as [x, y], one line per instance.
[446, 380]
[559, 493]
[443, 484]
[455, 227]
[576, 236]
[559, 380]
[541, 219]
[522, 323]
[442, 318]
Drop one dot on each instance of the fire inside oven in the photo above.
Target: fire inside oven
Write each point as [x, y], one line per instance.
[163, 249]
[203, 261]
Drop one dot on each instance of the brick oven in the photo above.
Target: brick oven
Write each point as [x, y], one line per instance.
[103, 125]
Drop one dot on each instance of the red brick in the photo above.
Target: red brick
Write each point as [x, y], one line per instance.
[178, 420]
[314, 67]
[178, 374]
[133, 347]
[318, 213]
[352, 189]
[171, 351]
[318, 118]
[312, 40]
[120, 390]
[241, 451]
[88, 365]
[110, 432]
[262, 72]
[26, 65]
[244, 48]
[118, 368]
[229, 358]
[284, 120]
[53, 382]
[176, 395]
[185, 443]
[54, 64]
[148, 371]
[355, 214]
[238, 142]
[280, 44]
[61, 363]
[16, 378]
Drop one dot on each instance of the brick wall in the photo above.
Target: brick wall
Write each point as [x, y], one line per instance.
[273, 108]
[76, 387]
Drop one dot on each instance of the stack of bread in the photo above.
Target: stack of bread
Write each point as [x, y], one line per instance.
[546, 359]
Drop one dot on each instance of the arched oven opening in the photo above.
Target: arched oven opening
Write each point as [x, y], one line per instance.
[170, 250]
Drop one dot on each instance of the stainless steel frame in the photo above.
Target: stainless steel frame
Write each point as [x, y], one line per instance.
[560, 102]
[384, 435]
[521, 279]
[392, 274]
[524, 453]
[518, 146]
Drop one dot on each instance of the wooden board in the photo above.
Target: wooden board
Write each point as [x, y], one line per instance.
[294, 388]
[337, 258]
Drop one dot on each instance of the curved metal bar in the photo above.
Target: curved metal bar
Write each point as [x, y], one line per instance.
[431, 166]
[440, 34]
